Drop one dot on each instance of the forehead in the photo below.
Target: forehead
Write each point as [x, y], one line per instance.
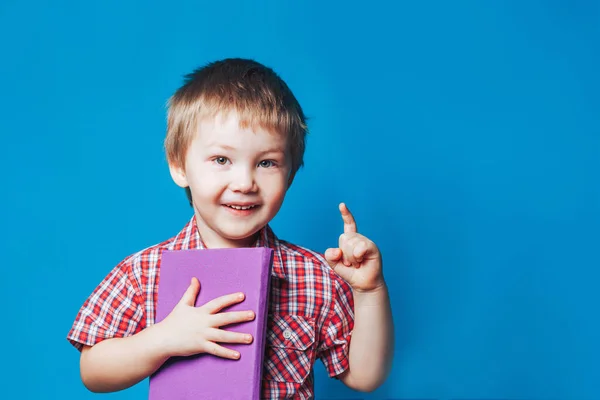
[232, 127]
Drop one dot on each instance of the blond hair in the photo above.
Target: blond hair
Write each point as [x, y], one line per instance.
[255, 92]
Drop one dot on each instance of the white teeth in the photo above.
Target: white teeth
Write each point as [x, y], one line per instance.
[241, 207]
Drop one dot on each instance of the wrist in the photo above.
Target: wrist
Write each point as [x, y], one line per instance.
[377, 295]
[157, 342]
[377, 287]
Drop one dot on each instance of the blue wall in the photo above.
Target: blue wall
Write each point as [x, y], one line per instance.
[463, 135]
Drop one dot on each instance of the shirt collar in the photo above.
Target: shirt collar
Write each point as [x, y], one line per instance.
[189, 239]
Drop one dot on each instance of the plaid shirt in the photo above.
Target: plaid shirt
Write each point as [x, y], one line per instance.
[309, 302]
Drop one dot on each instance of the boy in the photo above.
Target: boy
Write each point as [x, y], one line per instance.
[235, 140]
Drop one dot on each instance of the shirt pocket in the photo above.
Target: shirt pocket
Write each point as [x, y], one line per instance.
[290, 348]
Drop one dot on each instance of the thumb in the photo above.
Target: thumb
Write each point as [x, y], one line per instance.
[189, 297]
[333, 256]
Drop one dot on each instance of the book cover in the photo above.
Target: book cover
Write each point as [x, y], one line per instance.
[220, 272]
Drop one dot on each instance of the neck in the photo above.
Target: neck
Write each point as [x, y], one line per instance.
[212, 240]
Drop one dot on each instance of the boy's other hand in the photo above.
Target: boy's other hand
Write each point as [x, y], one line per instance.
[356, 259]
[189, 330]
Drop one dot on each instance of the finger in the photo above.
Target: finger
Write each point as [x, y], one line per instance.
[343, 245]
[344, 272]
[224, 336]
[232, 317]
[346, 259]
[333, 256]
[348, 218]
[359, 251]
[348, 249]
[346, 240]
[220, 351]
[342, 240]
[191, 293]
[216, 305]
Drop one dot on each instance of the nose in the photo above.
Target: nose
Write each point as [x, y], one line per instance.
[243, 180]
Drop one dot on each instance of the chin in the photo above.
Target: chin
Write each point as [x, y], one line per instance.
[239, 235]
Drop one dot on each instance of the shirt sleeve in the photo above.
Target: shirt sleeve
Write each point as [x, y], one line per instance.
[337, 329]
[112, 310]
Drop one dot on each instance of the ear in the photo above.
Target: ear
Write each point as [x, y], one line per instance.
[178, 175]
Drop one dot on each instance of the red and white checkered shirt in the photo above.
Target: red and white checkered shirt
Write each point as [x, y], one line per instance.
[307, 299]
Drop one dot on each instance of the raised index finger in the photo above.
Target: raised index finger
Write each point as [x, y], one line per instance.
[349, 223]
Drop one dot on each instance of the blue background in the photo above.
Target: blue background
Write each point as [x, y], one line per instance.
[463, 135]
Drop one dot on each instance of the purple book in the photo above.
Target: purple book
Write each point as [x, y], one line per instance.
[220, 272]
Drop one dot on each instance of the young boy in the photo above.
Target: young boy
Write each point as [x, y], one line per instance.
[235, 140]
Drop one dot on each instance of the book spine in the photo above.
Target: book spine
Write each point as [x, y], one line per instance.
[265, 278]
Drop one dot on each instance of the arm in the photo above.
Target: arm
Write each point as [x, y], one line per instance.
[371, 348]
[118, 363]
[358, 261]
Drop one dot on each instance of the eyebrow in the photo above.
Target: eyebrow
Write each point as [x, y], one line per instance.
[220, 146]
[273, 150]
[230, 148]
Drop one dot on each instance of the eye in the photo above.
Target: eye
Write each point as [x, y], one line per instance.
[221, 160]
[267, 163]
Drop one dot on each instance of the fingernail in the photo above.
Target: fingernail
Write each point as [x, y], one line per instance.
[248, 338]
[251, 314]
[235, 354]
[241, 295]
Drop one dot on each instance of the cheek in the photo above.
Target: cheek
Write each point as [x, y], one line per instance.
[275, 189]
[205, 184]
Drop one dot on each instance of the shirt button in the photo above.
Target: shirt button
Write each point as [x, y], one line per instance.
[287, 334]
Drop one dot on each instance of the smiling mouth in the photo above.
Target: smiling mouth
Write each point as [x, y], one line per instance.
[241, 207]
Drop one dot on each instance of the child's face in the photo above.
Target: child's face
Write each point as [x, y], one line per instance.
[238, 179]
